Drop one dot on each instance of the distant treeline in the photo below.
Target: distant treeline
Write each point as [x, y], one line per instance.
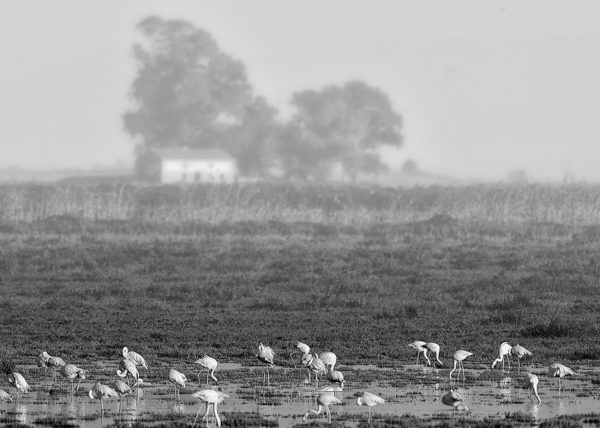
[567, 204]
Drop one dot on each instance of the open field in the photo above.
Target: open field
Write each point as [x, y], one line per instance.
[217, 270]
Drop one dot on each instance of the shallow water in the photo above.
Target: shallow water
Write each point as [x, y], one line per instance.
[409, 390]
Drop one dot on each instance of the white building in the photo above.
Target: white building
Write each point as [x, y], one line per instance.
[183, 165]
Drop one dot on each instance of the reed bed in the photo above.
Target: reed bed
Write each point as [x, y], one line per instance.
[566, 204]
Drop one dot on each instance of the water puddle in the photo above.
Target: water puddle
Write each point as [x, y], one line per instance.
[410, 390]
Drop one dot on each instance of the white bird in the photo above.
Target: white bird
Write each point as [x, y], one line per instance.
[210, 364]
[315, 365]
[329, 358]
[18, 381]
[5, 396]
[504, 352]
[121, 387]
[559, 370]
[533, 381]
[454, 399]
[521, 352]
[266, 355]
[54, 362]
[419, 346]
[335, 376]
[324, 400]
[126, 369]
[209, 396]
[72, 372]
[134, 357]
[178, 380]
[100, 391]
[306, 357]
[303, 347]
[434, 348]
[459, 356]
[369, 399]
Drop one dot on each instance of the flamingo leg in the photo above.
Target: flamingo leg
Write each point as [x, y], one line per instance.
[328, 413]
[369, 414]
[206, 413]
[216, 415]
[197, 414]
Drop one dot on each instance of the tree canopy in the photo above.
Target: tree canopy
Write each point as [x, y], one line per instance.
[189, 93]
[345, 124]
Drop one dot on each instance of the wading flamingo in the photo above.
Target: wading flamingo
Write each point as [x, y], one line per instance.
[100, 391]
[520, 352]
[504, 352]
[18, 381]
[335, 376]
[559, 370]
[178, 380]
[134, 357]
[209, 396]
[72, 372]
[315, 365]
[323, 401]
[210, 364]
[434, 348]
[329, 358]
[459, 356]
[533, 381]
[369, 399]
[54, 362]
[419, 346]
[126, 369]
[266, 355]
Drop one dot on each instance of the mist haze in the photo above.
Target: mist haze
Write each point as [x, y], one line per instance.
[483, 88]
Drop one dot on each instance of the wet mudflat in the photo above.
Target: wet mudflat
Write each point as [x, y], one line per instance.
[409, 391]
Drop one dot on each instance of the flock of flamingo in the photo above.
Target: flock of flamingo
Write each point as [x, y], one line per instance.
[318, 364]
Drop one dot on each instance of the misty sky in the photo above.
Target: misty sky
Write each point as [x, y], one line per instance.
[483, 86]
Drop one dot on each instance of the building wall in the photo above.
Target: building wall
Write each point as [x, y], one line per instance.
[198, 171]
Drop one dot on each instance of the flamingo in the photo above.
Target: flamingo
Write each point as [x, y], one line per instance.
[210, 364]
[335, 376]
[19, 382]
[459, 356]
[419, 346]
[266, 355]
[134, 357]
[369, 399]
[329, 358]
[315, 365]
[560, 371]
[127, 368]
[100, 391]
[306, 357]
[521, 352]
[303, 347]
[54, 362]
[434, 348]
[72, 372]
[209, 396]
[454, 399]
[324, 401]
[505, 351]
[533, 381]
[178, 380]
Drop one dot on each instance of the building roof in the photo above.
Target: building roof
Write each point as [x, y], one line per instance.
[192, 154]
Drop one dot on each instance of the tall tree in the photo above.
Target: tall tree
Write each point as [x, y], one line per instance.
[187, 92]
[345, 124]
